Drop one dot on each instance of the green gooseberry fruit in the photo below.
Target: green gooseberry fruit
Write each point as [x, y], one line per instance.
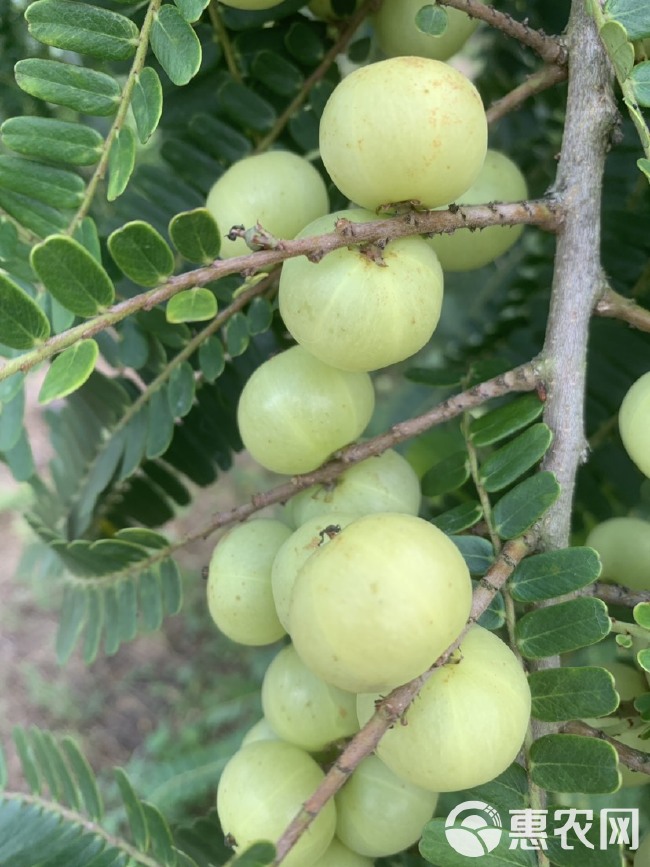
[623, 545]
[398, 34]
[634, 423]
[338, 855]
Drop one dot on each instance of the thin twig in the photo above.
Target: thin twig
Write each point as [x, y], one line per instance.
[544, 214]
[635, 760]
[393, 707]
[616, 594]
[550, 48]
[224, 40]
[546, 77]
[615, 306]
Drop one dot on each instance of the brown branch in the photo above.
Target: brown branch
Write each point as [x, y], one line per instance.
[546, 77]
[635, 760]
[342, 42]
[541, 213]
[394, 706]
[550, 48]
[615, 306]
[616, 594]
[524, 378]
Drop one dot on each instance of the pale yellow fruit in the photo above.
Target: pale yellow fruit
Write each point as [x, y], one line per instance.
[377, 605]
[338, 855]
[623, 545]
[398, 34]
[240, 596]
[280, 190]
[261, 731]
[401, 129]
[467, 724]
[500, 180]
[634, 423]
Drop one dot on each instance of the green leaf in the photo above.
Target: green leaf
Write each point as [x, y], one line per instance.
[127, 607]
[219, 139]
[641, 613]
[640, 79]
[634, 15]
[72, 275]
[94, 625]
[573, 763]
[176, 45]
[236, 335]
[508, 791]
[561, 694]
[150, 600]
[258, 855]
[436, 848]
[4, 776]
[180, 391]
[11, 421]
[38, 218]
[134, 811]
[196, 236]
[82, 28]
[69, 371]
[447, 475]
[20, 459]
[73, 616]
[69, 794]
[445, 377]
[554, 573]
[147, 103]
[459, 518]
[277, 73]
[644, 166]
[46, 184]
[162, 843]
[171, 586]
[121, 162]
[8, 239]
[22, 322]
[191, 9]
[431, 20]
[580, 855]
[505, 420]
[192, 305]
[563, 627]
[212, 359]
[245, 107]
[304, 43]
[141, 253]
[518, 510]
[161, 424]
[619, 48]
[29, 768]
[259, 315]
[55, 140]
[514, 459]
[494, 615]
[85, 778]
[477, 552]
[84, 90]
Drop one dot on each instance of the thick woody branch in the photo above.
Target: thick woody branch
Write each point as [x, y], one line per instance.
[550, 48]
[546, 77]
[540, 213]
[527, 377]
[392, 709]
[633, 759]
[615, 306]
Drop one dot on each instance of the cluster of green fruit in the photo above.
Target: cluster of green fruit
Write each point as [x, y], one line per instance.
[370, 595]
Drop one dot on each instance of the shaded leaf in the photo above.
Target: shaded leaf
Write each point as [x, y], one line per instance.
[505, 420]
[55, 140]
[84, 777]
[212, 359]
[82, 28]
[192, 305]
[134, 810]
[431, 20]
[619, 48]
[94, 625]
[572, 763]
[175, 45]
[634, 15]
[147, 103]
[161, 424]
[259, 315]
[304, 43]
[171, 586]
[511, 461]
[477, 552]
[561, 628]
[444, 377]
[459, 518]
[259, 854]
[191, 9]
[180, 391]
[11, 421]
[518, 510]
[72, 275]
[20, 460]
[42, 220]
[73, 616]
[46, 184]
[196, 236]
[245, 107]
[121, 162]
[640, 78]
[277, 73]
[150, 600]
[84, 90]
[236, 335]
[494, 615]
[22, 322]
[69, 371]
[447, 475]
[554, 573]
[141, 253]
[561, 694]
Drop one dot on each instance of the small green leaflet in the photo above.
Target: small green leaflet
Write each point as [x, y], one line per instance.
[141, 253]
[573, 763]
[640, 78]
[619, 48]
[514, 459]
[42, 220]
[12, 414]
[195, 235]
[245, 107]
[22, 322]
[431, 20]
[121, 162]
[72, 275]
[82, 28]
[175, 45]
[644, 166]
[554, 573]
[634, 15]
[69, 371]
[53, 140]
[146, 103]
[641, 615]
[51, 186]
[193, 305]
[277, 73]
[505, 420]
[212, 359]
[518, 510]
[258, 855]
[563, 627]
[561, 694]
[191, 9]
[447, 475]
[459, 518]
[83, 90]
